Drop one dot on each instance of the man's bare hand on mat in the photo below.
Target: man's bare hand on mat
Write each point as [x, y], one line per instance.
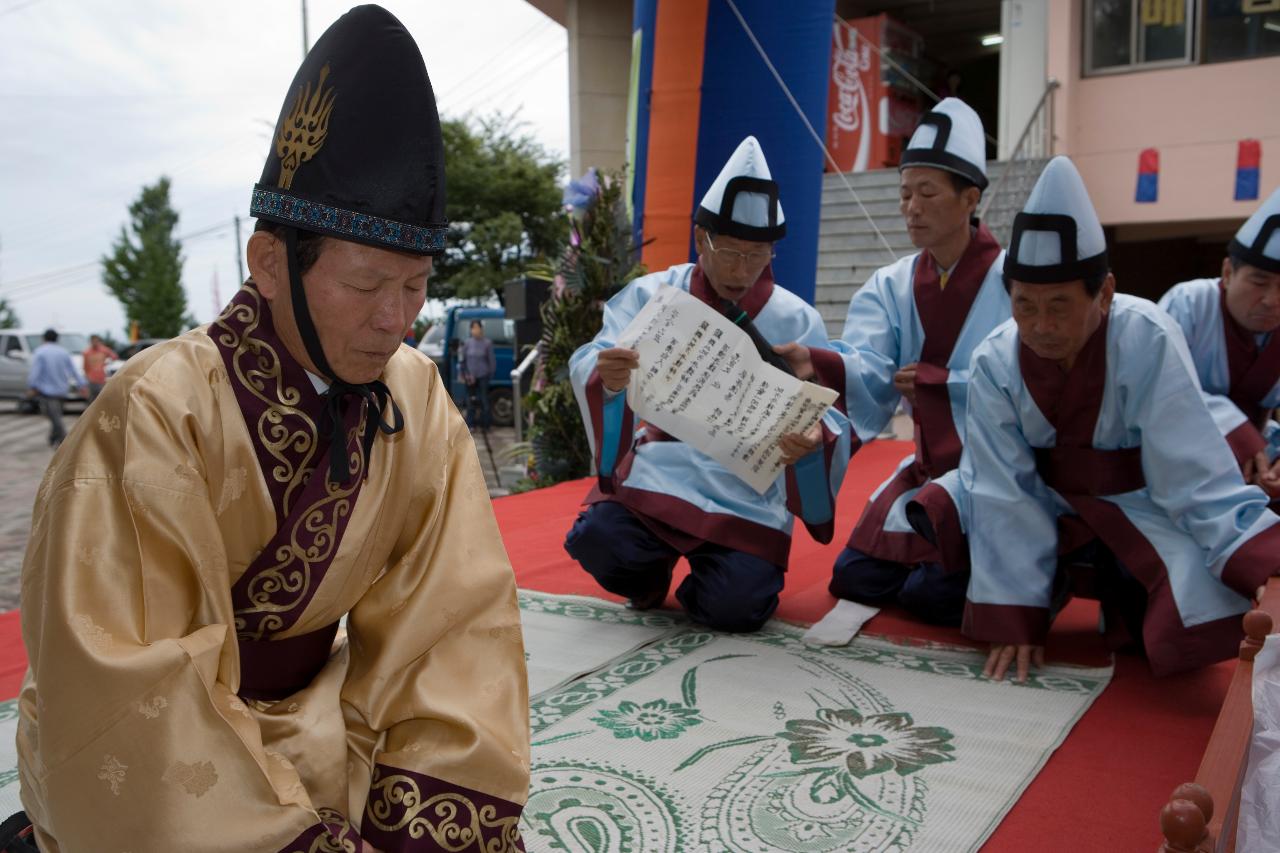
[1002, 656]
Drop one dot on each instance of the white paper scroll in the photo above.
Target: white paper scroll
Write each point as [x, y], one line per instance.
[701, 380]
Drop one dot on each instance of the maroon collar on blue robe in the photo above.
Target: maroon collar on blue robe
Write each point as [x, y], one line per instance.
[1253, 371]
[943, 312]
[752, 302]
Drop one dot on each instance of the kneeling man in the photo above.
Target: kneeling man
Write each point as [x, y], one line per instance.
[1086, 427]
[659, 498]
[1230, 324]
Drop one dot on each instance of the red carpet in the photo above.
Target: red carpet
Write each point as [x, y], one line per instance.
[1102, 790]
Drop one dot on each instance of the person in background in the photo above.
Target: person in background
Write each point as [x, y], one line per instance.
[657, 498]
[908, 337]
[478, 365]
[52, 375]
[1231, 324]
[96, 356]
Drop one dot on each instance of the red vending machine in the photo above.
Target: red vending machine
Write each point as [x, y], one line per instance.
[872, 108]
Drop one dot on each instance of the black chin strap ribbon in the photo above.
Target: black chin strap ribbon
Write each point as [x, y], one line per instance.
[375, 393]
[378, 396]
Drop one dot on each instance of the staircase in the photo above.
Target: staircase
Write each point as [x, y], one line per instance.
[849, 250]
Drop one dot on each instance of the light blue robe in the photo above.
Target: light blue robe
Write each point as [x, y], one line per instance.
[1214, 535]
[883, 333]
[1197, 306]
[669, 481]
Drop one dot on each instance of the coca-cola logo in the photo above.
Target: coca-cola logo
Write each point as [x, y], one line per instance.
[847, 65]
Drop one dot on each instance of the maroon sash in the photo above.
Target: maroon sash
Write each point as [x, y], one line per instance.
[943, 312]
[282, 411]
[1253, 371]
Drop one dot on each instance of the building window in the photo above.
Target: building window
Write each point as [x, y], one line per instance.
[1241, 29]
[1121, 35]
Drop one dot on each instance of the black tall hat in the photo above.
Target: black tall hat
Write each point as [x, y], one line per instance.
[357, 155]
[357, 152]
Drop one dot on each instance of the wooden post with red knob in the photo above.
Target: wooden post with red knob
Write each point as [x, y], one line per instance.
[1200, 816]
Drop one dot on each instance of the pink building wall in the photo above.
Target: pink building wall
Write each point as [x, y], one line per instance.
[1194, 116]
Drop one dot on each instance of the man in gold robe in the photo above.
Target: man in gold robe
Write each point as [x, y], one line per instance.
[236, 492]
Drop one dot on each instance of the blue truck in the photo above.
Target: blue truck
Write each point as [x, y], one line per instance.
[497, 328]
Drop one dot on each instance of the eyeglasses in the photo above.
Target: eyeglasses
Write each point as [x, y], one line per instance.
[730, 256]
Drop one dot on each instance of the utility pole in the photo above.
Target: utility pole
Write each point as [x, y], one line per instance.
[239, 260]
[306, 42]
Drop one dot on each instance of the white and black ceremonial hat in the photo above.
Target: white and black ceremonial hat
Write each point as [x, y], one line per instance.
[1257, 243]
[1057, 237]
[743, 200]
[949, 137]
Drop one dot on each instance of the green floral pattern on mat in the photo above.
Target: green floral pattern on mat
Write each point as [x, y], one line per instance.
[650, 721]
[867, 745]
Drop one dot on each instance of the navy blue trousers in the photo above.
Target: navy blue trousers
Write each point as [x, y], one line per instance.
[925, 590]
[726, 590]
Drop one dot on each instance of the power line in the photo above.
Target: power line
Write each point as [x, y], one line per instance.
[470, 78]
[511, 66]
[525, 76]
[40, 280]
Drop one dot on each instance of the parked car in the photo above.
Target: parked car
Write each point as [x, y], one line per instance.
[128, 352]
[497, 328]
[16, 347]
[432, 345]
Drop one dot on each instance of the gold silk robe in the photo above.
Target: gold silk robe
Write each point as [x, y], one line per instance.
[132, 735]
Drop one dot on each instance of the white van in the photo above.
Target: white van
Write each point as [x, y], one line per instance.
[16, 347]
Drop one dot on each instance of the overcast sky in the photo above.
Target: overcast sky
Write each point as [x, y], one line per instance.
[99, 97]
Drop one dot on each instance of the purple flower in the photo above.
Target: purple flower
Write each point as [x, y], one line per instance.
[580, 194]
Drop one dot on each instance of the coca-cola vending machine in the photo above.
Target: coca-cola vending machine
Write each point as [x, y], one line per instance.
[872, 108]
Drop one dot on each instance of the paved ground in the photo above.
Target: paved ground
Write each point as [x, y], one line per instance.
[24, 454]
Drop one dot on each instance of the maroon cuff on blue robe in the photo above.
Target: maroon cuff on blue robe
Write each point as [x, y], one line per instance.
[933, 514]
[1254, 562]
[1245, 441]
[1013, 624]
[828, 369]
[333, 828]
[410, 812]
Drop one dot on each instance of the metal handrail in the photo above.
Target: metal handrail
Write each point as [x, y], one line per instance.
[516, 395]
[1022, 139]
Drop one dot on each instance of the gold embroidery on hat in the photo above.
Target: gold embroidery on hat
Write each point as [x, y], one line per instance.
[303, 131]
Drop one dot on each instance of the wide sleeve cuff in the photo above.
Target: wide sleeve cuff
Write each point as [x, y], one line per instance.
[1254, 562]
[333, 832]
[612, 425]
[828, 369]
[410, 812]
[1006, 623]
[1245, 442]
[933, 514]
[809, 494]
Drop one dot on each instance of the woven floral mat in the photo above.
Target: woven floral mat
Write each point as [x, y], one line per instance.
[568, 636]
[708, 742]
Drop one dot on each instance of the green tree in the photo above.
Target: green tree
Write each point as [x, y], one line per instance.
[144, 269]
[598, 262]
[8, 318]
[504, 207]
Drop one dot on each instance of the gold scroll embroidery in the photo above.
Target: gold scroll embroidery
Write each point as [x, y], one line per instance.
[452, 820]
